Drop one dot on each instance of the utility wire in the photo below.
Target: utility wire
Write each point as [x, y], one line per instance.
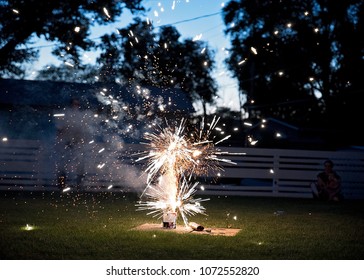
[163, 25]
[188, 20]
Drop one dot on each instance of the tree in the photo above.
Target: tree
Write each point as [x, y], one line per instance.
[197, 65]
[78, 74]
[295, 59]
[138, 54]
[65, 22]
[137, 50]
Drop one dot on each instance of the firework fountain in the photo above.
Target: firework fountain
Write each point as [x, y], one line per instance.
[173, 159]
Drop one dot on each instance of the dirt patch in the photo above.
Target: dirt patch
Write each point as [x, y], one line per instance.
[189, 230]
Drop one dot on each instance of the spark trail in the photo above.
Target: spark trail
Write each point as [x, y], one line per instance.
[173, 158]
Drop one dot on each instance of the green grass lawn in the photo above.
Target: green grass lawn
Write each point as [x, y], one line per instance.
[99, 226]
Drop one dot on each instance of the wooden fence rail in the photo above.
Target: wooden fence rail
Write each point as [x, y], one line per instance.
[287, 173]
[31, 165]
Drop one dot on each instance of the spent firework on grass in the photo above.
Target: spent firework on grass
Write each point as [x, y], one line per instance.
[174, 157]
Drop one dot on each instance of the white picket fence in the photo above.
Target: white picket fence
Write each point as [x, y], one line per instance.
[288, 173]
[30, 165]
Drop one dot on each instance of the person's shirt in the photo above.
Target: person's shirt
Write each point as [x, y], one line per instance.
[331, 179]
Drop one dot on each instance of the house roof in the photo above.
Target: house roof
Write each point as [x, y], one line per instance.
[280, 134]
[59, 94]
[277, 123]
[28, 108]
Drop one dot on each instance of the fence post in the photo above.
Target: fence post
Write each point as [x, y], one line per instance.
[275, 174]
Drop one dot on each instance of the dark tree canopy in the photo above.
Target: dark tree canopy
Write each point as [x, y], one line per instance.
[301, 61]
[77, 74]
[65, 22]
[139, 54]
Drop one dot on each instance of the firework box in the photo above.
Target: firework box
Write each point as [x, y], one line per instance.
[169, 220]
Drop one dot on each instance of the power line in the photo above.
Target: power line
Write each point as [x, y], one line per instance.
[188, 20]
[168, 24]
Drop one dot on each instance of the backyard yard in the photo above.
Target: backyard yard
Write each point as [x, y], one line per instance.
[92, 226]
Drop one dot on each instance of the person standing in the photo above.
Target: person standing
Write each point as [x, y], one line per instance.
[72, 136]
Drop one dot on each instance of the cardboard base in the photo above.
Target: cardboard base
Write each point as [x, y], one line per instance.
[184, 229]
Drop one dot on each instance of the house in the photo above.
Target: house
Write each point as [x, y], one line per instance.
[274, 133]
[29, 109]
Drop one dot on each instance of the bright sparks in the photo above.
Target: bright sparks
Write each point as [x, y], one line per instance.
[173, 159]
[28, 227]
[254, 50]
[69, 64]
[106, 12]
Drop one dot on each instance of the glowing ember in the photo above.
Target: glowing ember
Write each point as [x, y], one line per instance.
[173, 159]
[28, 227]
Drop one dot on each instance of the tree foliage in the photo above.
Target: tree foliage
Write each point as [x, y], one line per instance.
[139, 54]
[142, 54]
[65, 22]
[78, 74]
[301, 61]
